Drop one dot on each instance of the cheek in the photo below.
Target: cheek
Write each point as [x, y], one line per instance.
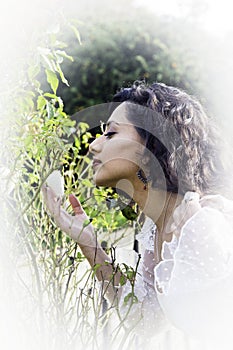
[121, 165]
[120, 160]
[123, 150]
[110, 172]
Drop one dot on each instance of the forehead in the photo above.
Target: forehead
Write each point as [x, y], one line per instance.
[119, 115]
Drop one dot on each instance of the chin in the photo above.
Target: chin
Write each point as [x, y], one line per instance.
[100, 181]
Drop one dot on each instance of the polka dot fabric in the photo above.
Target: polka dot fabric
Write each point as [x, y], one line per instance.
[194, 280]
[192, 287]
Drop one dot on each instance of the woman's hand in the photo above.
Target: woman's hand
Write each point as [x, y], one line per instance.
[76, 226]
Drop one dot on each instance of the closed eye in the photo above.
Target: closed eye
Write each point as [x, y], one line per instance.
[109, 134]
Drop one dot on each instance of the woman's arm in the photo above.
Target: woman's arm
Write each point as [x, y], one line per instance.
[78, 228]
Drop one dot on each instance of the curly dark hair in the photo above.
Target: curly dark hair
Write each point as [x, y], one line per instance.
[178, 134]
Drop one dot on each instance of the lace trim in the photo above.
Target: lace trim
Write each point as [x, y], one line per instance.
[147, 235]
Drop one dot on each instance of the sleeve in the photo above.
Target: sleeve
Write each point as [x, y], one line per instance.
[139, 306]
[194, 281]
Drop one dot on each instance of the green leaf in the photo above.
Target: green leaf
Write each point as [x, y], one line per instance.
[86, 223]
[122, 280]
[63, 54]
[131, 296]
[47, 94]
[96, 267]
[63, 79]
[68, 239]
[45, 54]
[50, 110]
[52, 80]
[80, 257]
[77, 142]
[87, 183]
[41, 102]
[76, 32]
[70, 261]
[28, 140]
[129, 213]
[83, 126]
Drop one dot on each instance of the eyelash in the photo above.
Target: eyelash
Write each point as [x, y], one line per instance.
[109, 134]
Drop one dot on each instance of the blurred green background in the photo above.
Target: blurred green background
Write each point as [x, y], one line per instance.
[122, 43]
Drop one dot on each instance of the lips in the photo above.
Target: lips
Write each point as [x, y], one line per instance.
[95, 162]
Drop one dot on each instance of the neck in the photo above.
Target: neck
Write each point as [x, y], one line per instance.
[157, 204]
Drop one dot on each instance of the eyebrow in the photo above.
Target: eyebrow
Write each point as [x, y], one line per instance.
[111, 122]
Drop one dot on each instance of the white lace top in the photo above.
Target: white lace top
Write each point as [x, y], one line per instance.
[192, 287]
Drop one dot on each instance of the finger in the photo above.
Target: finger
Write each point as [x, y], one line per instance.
[53, 202]
[44, 194]
[76, 205]
[44, 191]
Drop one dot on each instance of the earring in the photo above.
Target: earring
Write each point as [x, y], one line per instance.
[143, 178]
[145, 160]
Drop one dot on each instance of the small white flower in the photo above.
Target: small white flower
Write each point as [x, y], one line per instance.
[56, 181]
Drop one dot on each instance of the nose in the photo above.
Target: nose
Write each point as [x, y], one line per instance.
[96, 145]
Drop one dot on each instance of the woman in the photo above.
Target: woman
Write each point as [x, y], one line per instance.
[161, 149]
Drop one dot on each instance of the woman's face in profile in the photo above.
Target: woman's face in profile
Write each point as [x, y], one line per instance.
[117, 153]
